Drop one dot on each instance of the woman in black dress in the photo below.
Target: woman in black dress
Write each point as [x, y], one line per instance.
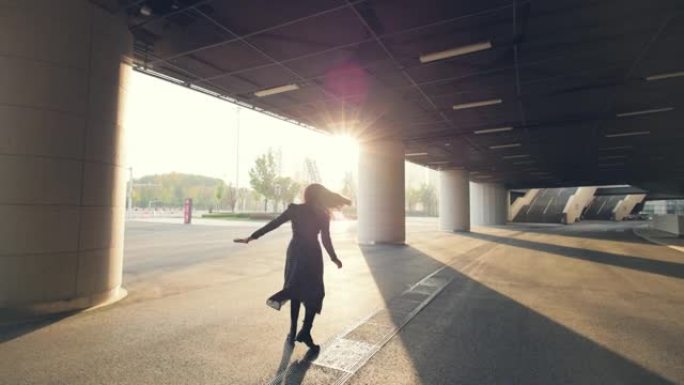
[304, 265]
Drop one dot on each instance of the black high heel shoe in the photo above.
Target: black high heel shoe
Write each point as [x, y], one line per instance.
[304, 336]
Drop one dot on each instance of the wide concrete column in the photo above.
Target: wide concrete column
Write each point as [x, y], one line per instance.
[61, 165]
[488, 204]
[454, 200]
[380, 199]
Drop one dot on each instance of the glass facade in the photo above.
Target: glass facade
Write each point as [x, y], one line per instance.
[664, 207]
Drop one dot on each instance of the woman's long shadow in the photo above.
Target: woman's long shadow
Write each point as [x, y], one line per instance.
[293, 373]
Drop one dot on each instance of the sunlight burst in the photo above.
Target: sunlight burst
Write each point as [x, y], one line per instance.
[344, 147]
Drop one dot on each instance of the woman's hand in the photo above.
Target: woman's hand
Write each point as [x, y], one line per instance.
[337, 262]
[242, 240]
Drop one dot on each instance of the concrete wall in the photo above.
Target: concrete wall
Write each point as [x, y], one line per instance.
[670, 223]
[626, 206]
[577, 203]
[515, 207]
[488, 204]
[61, 162]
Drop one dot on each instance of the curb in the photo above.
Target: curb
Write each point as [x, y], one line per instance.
[655, 241]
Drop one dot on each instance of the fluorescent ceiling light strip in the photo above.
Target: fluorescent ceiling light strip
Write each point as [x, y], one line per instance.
[466, 49]
[633, 133]
[500, 146]
[416, 154]
[613, 157]
[491, 130]
[644, 112]
[206, 91]
[665, 76]
[161, 75]
[616, 148]
[516, 156]
[482, 103]
[276, 90]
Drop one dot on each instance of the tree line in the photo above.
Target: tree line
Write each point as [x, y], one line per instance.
[422, 200]
[171, 190]
[269, 190]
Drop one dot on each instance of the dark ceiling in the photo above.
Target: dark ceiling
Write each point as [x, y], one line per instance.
[563, 71]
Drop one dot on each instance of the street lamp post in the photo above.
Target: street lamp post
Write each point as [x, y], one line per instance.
[237, 156]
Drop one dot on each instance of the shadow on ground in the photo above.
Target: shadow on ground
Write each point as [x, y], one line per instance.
[14, 325]
[668, 269]
[471, 334]
[293, 373]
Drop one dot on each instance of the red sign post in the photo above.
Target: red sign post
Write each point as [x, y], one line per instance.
[187, 211]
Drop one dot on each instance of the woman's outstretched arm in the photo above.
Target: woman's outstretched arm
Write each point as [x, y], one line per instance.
[327, 243]
[270, 226]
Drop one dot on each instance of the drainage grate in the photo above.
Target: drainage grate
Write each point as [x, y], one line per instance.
[344, 354]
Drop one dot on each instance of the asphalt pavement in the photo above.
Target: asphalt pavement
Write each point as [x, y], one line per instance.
[584, 304]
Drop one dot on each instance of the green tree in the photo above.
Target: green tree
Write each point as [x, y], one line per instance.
[256, 199]
[169, 190]
[428, 197]
[413, 196]
[263, 176]
[231, 196]
[245, 197]
[220, 188]
[286, 190]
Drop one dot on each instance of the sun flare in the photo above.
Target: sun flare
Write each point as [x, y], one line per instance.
[344, 147]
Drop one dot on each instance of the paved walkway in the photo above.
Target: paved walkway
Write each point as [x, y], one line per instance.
[585, 304]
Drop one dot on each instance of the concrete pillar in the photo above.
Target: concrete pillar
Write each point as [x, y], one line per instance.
[61, 163]
[488, 204]
[454, 200]
[577, 203]
[626, 205]
[380, 199]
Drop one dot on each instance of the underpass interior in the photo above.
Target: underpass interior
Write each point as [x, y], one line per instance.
[576, 105]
